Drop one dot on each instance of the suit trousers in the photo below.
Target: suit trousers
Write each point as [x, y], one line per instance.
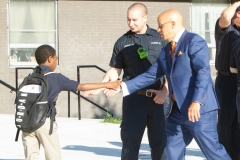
[139, 112]
[50, 143]
[228, 130]
[180, 132]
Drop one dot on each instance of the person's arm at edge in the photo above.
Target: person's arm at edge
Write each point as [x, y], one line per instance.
[233, 65]
[92, 86]
[233, 70]
[227, 15]
[234, 57]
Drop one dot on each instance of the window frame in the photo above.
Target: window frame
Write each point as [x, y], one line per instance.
[211, 46]
[26, 46]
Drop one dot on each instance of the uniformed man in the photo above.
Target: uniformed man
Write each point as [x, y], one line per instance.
[134, 52]
[226, 32]
[235, 68]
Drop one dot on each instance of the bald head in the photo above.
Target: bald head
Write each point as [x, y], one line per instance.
[170, 24]
[171, 15]
[139, 6]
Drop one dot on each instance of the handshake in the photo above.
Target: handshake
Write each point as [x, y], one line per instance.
[110, 89]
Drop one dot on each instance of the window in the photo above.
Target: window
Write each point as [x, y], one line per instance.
[204, 14]
[30, 24]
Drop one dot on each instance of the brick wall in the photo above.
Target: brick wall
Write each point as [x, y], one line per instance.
[87, 33]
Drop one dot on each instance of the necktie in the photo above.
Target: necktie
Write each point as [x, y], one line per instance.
[173, 44]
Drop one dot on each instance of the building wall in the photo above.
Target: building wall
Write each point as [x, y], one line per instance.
[87, 33]
[6, 74]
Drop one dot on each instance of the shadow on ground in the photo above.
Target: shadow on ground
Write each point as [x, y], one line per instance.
[114, 152]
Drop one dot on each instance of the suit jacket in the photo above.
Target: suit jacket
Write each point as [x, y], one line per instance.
[188, 74]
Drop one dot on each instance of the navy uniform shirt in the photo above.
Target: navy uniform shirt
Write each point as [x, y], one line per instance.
[57, 83]
[126, 57]
[224, 40]
[235, 59]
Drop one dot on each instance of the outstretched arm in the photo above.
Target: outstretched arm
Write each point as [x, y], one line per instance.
[149, 77]
[91, 86]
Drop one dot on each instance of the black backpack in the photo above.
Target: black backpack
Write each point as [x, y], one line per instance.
[31, 103]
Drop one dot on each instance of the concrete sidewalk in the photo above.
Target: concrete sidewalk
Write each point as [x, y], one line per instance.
[87, 139]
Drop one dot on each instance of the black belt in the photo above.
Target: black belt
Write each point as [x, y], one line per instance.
[222, 73]
[146, 93]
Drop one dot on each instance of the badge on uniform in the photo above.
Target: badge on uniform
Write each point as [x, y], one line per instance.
[142, 52]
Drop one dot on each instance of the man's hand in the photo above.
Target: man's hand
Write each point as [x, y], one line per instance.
[194, 112]
[112, 92]
[161, 95]
[92, 92]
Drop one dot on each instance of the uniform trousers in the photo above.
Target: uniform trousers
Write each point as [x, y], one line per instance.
[180, 132]
[139, 113]
[50, 143]
[238, 106]
[228, 130]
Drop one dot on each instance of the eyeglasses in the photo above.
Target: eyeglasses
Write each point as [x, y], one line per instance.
[161, 25]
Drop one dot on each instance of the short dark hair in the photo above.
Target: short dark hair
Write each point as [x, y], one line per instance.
[43, 52]
[238, 9]
[139, 6]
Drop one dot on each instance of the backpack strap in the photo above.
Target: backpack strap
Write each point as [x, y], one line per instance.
[17, 135]
[38, 69]
[53, 109]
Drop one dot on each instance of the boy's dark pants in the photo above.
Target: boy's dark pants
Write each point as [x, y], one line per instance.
[139, 113]
[228, 130]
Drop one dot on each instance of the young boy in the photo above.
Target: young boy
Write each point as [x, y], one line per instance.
[47, 59]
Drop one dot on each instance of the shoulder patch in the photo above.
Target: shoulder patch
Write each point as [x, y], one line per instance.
[156, 43]
[127, 45]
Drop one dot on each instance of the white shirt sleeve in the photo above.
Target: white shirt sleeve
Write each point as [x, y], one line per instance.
[124, 89]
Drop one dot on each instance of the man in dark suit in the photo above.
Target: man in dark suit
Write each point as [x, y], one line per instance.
[192, 112]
